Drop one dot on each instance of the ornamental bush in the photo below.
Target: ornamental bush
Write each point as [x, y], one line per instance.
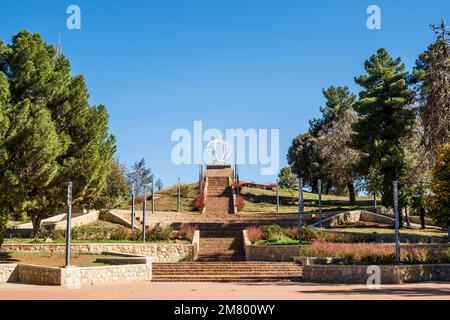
[254, 234]
[240, 203]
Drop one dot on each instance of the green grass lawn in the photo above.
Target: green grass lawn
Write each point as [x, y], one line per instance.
[52, 259]
[263, 200]
[384, 230]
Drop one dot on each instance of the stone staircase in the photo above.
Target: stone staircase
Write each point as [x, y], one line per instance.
[226, 272]
[219, 197]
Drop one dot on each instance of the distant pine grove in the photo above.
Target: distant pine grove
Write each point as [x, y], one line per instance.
[396, 129]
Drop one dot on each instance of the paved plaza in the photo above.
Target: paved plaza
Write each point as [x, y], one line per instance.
[226, 291]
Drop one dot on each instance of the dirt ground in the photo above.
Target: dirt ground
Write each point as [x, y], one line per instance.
[50, 259]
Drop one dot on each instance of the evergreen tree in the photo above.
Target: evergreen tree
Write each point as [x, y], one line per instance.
[286, 178]
[159, 184]
[432, 77]
[304, 159]
[440, 186]
[384, 119]
[116, 188]
[139, 177]
[54, 135]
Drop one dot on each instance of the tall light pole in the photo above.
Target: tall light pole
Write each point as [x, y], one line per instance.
[319, 186]
[68, 218]
[278, 197]
[300, 209]
[153, 197]
[397, 233]
[179, 197]
[133, 213]
[144, 214]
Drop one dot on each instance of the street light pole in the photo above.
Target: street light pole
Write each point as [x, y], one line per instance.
[153, 197]
[68, 218]
[319, 185]
[179, 196]
[278, 197]
[300, 209]
[133, 213]
[144, 214]
[397, 233]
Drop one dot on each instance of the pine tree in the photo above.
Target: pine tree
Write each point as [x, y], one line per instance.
[432, 77]
[440, 186]
[139, 177]
[48, 101]
[384, 119]
[286, 178]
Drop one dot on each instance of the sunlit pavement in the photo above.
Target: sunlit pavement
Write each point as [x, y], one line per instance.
[225, 291]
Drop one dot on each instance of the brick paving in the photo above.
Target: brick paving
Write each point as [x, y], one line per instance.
[226, 291]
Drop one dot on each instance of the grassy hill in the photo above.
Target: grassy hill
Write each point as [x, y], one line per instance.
[257, 199]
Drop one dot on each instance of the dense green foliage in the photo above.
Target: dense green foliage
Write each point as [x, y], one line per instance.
[49, 133]
[116, 188]
[384, 120]
[286, 178]
[440, 186]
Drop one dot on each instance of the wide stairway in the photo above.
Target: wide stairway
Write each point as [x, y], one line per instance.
[226, 272]
[222, 259]
[221, 254]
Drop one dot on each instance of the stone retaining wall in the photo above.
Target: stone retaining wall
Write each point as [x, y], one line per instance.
[390, 274]
[8, 272]
[161, 252]
[269, 252]
[42, 275]
[76, 276]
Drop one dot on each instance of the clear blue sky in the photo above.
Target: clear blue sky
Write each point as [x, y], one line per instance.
[160, 65]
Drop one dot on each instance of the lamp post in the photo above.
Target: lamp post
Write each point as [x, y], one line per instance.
[68, 218]
[319, 186]
[133, 213]
[179, 196]
[278, 197]
[397, 233]
[300, 209]
[153, 197]
[144, 213]
[375, 201]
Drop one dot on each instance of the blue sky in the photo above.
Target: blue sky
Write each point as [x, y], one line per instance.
[160, 65]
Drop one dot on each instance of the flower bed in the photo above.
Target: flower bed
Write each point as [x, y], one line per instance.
[378, 253]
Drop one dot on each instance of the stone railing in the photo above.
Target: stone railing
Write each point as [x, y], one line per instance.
[196, 244]
[205, 194]
[112, 216]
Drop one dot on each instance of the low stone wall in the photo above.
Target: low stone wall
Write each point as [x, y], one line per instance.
[114, 217]
[33, 274]
[390, 274]
[8, 272]
[76, 276]
[269, 252]
[161, 252]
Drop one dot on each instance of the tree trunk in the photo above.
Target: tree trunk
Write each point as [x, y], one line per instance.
[36, 221]
[407, 217]
[351, 192]
[422, 217]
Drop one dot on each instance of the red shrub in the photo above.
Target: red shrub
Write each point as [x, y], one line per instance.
[240, 203]
[199, 202]
[254, 234]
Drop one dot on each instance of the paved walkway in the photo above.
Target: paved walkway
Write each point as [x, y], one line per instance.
[226, 291]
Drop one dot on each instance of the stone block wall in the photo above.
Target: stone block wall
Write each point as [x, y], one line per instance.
[32, 274]
[161, 252]
[8, 272]
[390, 274]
